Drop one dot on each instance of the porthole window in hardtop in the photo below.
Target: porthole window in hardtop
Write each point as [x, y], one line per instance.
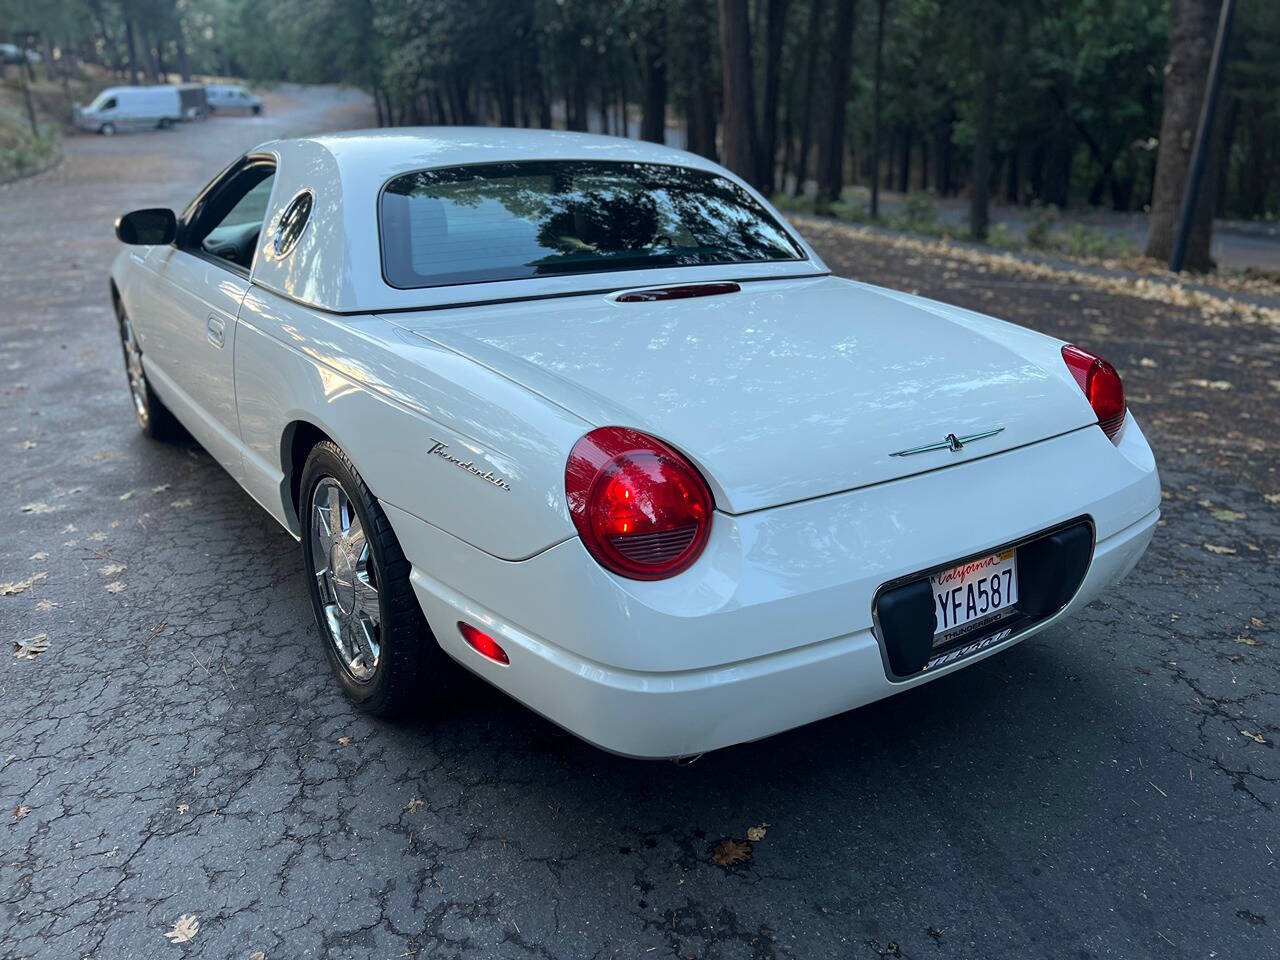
[292, 222]
[509, 221]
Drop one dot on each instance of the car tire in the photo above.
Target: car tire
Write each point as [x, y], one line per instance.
[155, 420]
[375, 637]
[107, 129]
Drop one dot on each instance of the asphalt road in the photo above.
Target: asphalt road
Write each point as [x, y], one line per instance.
[1107, 789]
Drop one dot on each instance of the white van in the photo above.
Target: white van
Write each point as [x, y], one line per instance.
[117, 109]
[227, 96]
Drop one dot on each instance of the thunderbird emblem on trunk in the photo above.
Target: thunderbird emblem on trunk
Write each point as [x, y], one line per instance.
[949, 442]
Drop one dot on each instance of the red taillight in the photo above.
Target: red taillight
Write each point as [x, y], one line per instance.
[641, 509]
[482, 643]
[1101, 385]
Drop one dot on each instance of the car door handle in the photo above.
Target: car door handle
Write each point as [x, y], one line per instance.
[215, 326]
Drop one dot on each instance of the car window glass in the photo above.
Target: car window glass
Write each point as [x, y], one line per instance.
[292, 222]
[108, 104]
[233, 235]
[507, 221]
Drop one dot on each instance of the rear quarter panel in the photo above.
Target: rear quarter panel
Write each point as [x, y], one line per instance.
[387, 397]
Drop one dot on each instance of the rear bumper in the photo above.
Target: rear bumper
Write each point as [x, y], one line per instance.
[772, 627]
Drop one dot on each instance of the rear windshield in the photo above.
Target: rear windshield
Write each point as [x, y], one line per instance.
[509, 221]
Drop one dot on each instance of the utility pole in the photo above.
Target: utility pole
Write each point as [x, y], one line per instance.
[1204, 133]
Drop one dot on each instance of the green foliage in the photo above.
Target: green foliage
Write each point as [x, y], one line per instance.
[1091, 243]
[1002, 238]
[21, 153]
[786, 203]
[1077, 109]
[854, 204]
[1040, 224]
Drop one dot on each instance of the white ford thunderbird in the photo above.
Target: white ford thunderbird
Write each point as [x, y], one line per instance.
[586, 416]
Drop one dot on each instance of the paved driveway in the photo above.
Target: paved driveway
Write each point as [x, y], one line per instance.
[1107, 789]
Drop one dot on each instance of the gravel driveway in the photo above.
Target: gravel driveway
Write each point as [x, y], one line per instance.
[1107, 789]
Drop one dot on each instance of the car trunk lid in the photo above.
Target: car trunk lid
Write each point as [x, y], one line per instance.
[782, 391]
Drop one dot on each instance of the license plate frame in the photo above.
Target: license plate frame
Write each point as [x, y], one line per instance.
[974, 594]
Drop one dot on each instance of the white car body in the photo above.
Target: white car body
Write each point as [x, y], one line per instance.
[790, 396]
[117, 109]
[228, 96]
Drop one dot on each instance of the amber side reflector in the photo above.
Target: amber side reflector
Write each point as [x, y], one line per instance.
[483, 644]
[683, 292]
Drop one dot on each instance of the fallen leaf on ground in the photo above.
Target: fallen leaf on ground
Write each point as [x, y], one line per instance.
[1219, 549]
[97, 536]
[1256, 621]
[755, 834]
[115, 586]
[19, 586]
[413, 805]
[1211, 384]
[1255, 737]
[39, 557]
[111, 569]
[31, 647]
[45, 605]
[183, 808]
[127, 495]
[1228, 516]
[257, 955]
[100, 455]
[161, 488]
[29, 444]
[344, 741]
[1248, 641]
[20, 812]
[1272, 498]
[36, 508]
[185, 929]
[729, 852]
[181, 504]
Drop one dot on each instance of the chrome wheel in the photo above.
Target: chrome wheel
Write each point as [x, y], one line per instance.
[133, 368]
[346, 577]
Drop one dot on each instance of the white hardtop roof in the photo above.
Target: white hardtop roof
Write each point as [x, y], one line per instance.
[340, 270]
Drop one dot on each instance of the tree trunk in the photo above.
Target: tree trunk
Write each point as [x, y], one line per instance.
[577, 102]
[831, 146]
[131, 43]
[810, 85]
[875, 114]
[740, 151]
[1226, 139]
[691, 46]
[1185, 76]
[775, 30]
[653, 76]
[984, 133]
[904, 170]
[180, 45]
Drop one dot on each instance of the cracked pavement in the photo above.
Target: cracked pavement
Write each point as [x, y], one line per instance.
[180, 748]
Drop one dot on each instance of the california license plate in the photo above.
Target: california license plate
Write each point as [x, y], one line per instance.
[980, 591]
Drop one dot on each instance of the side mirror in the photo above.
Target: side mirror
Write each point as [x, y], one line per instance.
[147, 227]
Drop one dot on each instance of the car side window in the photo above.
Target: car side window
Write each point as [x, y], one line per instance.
[229, 223]
[110, 104]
